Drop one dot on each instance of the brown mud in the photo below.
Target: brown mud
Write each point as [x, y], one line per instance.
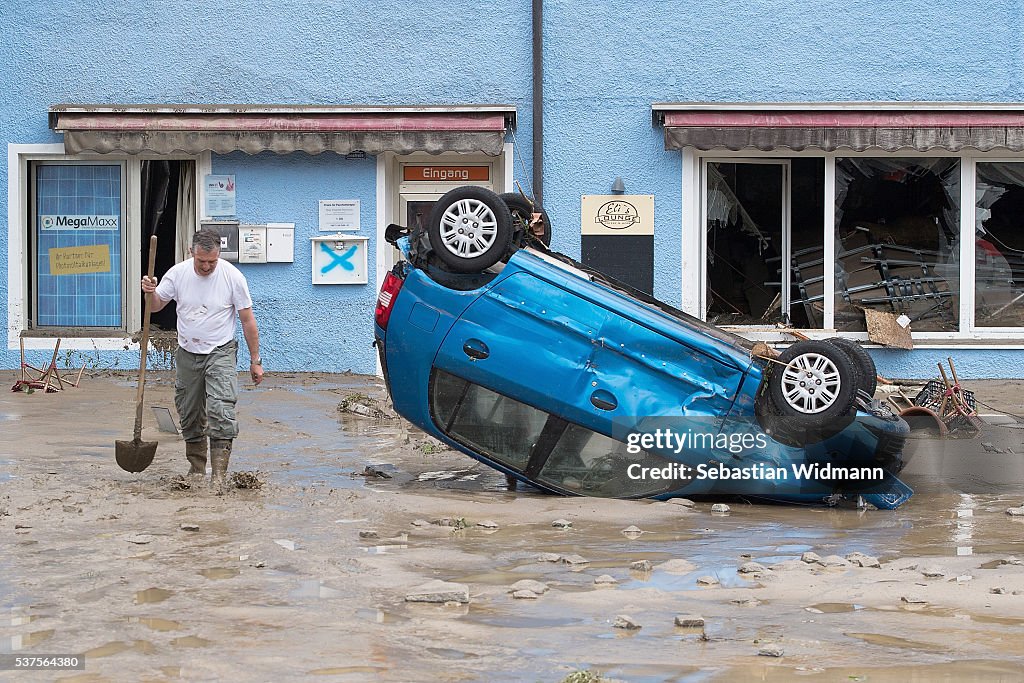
[304, 576]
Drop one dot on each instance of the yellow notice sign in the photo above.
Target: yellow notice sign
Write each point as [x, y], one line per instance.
[78, 260]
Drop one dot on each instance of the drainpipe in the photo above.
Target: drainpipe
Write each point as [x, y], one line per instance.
[538, 101]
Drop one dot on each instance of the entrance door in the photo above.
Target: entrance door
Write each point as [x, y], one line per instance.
[746, 214]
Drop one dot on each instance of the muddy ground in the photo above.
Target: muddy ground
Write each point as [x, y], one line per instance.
[306, 577]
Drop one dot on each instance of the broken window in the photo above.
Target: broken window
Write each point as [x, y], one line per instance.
[761, 214]
[897, 241]
[999, 245]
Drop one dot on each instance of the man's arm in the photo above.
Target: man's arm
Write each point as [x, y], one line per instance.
[252, 339]
[149, 287]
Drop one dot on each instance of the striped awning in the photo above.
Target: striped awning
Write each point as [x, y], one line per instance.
[191, 129]
[858, 126]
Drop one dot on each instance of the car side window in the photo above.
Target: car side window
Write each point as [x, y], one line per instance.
[497, 426]
[592, 464]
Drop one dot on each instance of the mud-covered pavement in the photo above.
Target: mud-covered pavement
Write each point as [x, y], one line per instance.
[306, 577]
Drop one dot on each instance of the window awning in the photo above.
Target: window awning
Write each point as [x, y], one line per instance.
[136, 129]
[858, 126]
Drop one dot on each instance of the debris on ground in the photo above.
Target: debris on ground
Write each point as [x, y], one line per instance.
[247, 480]
[439, 592]
[625, 621]
[373, 472]
[366, 406]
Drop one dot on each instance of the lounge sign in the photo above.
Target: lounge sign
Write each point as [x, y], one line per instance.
[445, 174]
[617, 214]
[79, 222]
[79, 260]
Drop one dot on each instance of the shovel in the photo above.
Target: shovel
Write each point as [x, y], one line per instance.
[136, 455]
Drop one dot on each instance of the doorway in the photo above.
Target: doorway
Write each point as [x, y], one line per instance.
[167, 189]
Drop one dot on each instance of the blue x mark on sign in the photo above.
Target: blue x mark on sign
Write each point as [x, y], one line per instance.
[338, 260]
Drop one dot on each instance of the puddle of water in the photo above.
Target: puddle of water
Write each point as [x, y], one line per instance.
[191, 641]
[171, 671]
[342, 670]
[151, 595]
[113, 648]
[451, 653]
[220, 572]
[22, 641]
[727, 576]
[379, 616]
[156, 623]
[833, 608]
[314, 588]
[894, 641]
[383, 549]
[970, 671]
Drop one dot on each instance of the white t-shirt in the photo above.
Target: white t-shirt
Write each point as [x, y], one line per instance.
[207, 305]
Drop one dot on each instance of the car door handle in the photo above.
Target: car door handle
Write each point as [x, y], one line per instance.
[605, 400]
[476, 349]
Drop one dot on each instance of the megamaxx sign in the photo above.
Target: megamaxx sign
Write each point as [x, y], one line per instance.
[81, 222]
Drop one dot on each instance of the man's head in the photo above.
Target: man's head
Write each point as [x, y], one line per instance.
[205, 251]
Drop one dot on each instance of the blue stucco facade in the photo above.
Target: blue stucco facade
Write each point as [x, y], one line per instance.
[605, 64]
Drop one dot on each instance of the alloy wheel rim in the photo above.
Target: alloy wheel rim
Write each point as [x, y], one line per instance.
[468, 228]
[811, 383]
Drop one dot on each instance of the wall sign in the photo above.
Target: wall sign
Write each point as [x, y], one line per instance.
[220, 195]
[339, 214]
[339, 259]
[445, 174]
[86, 222]
[617, 214]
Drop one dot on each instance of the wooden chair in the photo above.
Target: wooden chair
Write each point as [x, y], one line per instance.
[47, 379]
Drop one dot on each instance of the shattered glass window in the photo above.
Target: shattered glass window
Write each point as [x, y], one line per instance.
[488, 422]
[999, 245]
[897, 241]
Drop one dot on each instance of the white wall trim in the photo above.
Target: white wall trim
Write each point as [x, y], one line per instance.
[691, 296]
[17, 191]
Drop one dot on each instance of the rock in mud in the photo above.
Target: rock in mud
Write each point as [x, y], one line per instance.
[549, 557]
[562, 524]
[720, 508]
[689, 621]
[247, 480]
[933, 572]
[439, 592]
[632, 531]
[862, 560]
[771, 651]
[574, 559]
[1016, 512]
[606, 580]
[538, 587]
[707, 581]
[140, 539]
[641, 566]
[811, 558]
[487, 524]
[525, 595]
[368, 533]
[187, 526]
[626, 622]
[752, 568]
[833, 561]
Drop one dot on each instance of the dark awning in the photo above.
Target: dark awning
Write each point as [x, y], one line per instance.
[135, 129]
[887, 126]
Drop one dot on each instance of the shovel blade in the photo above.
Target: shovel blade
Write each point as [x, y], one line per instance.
[135, 455]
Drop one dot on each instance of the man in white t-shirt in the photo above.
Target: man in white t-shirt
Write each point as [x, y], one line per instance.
[209, 294]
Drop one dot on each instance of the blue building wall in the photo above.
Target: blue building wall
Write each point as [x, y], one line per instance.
[605, 63]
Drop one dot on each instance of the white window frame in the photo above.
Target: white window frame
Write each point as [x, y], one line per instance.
[693, 295]
[19, 270]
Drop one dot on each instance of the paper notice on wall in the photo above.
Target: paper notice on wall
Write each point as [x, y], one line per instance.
[220, 195]
[79, 260]
[339, 214]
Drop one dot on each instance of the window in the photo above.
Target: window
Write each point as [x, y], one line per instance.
[999, 245]
[77, 245]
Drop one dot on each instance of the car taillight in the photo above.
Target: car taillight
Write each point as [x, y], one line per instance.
[386, 299]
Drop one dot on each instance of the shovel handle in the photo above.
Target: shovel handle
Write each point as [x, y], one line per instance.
[144, 345]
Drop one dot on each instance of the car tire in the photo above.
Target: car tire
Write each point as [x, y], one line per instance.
[867, 374]
[813, 381]
[470, 229]
[522, 210]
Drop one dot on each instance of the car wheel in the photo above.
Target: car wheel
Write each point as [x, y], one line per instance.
[867, 374]
[522, 213]
[470, 229]
[815, 381]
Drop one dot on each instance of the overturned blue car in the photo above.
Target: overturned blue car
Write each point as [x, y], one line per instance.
[566, 379]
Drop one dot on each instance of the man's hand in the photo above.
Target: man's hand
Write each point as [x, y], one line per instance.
[148, 284]
[256, 370]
